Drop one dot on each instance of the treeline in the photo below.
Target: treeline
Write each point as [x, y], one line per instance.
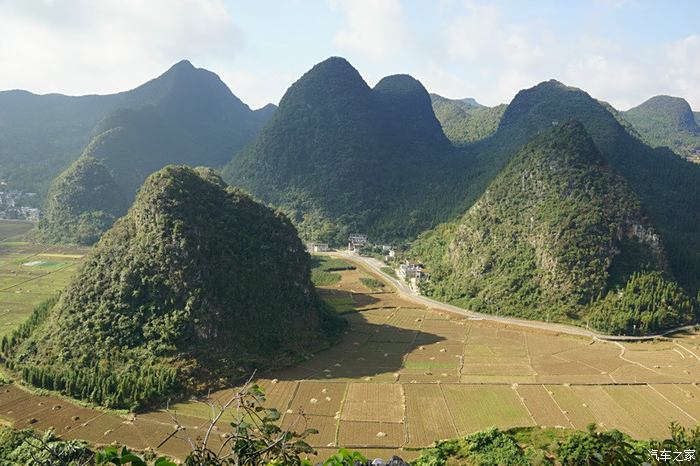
[116, 384]
[647, 303]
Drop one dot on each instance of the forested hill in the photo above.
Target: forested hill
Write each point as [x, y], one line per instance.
[195, 286]
[667, 121]
[465, 120]
[193, 119]
[339, 156]
[555, 236]
[82, 203]
[40, 135]
[667, 186]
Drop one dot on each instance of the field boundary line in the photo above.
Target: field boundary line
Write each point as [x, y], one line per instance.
[449, 411]
[566, 416]
[36, 278]
[674, 404]
[339, 417]
[514, 387]
[689, 351]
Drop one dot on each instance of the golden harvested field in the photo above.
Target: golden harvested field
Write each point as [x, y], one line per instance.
[405, 375]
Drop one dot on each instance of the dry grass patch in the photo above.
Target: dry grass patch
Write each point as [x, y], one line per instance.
[478, 407]
[542, 406]
[371, 434]
[427, 416]
[318, 398]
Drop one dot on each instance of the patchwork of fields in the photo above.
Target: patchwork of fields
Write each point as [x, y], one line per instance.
[404, 376]
[29, 273]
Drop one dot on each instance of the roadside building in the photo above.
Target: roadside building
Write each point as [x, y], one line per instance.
[317, 247]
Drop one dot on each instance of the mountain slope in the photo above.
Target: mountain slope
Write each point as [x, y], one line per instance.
[339, 156]
[667, 121]
[667, 186]
[194, 119]
[82, 203]
[465, 120]
[40, 135]
[556, 230]
[196, 286]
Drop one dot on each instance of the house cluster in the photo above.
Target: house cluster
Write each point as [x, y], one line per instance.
[11, 207]
[355, 242]
[389, 253]
[413, 274]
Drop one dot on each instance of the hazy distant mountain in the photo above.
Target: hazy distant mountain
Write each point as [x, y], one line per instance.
[668, 121]
[465, 120]
[193, 119]
[339, 156]
[194, 287]
[40, 135]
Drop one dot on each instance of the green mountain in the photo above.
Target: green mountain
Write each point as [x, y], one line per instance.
[82, 203]
[40, 135]
[554, 232]
[465, 120]
[194, 120]
[339, 156]
[668, 121]
[195, 287]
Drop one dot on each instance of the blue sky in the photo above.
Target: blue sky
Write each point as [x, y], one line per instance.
[622, 51]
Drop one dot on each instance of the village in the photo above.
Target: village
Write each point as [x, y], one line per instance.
[12, 206]
[411, 273]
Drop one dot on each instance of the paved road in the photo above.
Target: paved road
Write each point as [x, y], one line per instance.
[406, 292]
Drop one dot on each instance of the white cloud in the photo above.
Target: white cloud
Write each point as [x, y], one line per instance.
[373, 28]
[81, 46]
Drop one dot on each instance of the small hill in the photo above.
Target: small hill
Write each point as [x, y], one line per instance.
[339, 157]
[196, 286]
[668, 121]
[193, 119]
[82, 203]
[465, 120]
[554, 232]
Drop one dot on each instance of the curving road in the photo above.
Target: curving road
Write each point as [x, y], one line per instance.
[406, 292]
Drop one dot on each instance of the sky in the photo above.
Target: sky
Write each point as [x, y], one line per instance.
[621, 51]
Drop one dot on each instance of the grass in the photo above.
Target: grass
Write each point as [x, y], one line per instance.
[389, 271]
[323, 270]
[372, 283]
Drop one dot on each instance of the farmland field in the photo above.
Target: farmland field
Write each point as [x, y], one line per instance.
[405, 375]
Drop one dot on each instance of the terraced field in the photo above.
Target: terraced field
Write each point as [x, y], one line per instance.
[404, 376]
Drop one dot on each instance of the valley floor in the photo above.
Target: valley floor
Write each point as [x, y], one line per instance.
[406, 374]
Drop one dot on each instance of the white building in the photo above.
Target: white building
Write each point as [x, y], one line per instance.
[317, 247]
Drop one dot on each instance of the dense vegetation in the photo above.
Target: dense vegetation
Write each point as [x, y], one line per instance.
[340, 157]
[667, 121]
[82, 203]
[535, 445]
[464, 120]
[196, 121]
[197, 284]
[555, 231]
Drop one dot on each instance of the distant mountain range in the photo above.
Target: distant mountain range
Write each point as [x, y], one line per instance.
[40, 135]
[555, 203]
